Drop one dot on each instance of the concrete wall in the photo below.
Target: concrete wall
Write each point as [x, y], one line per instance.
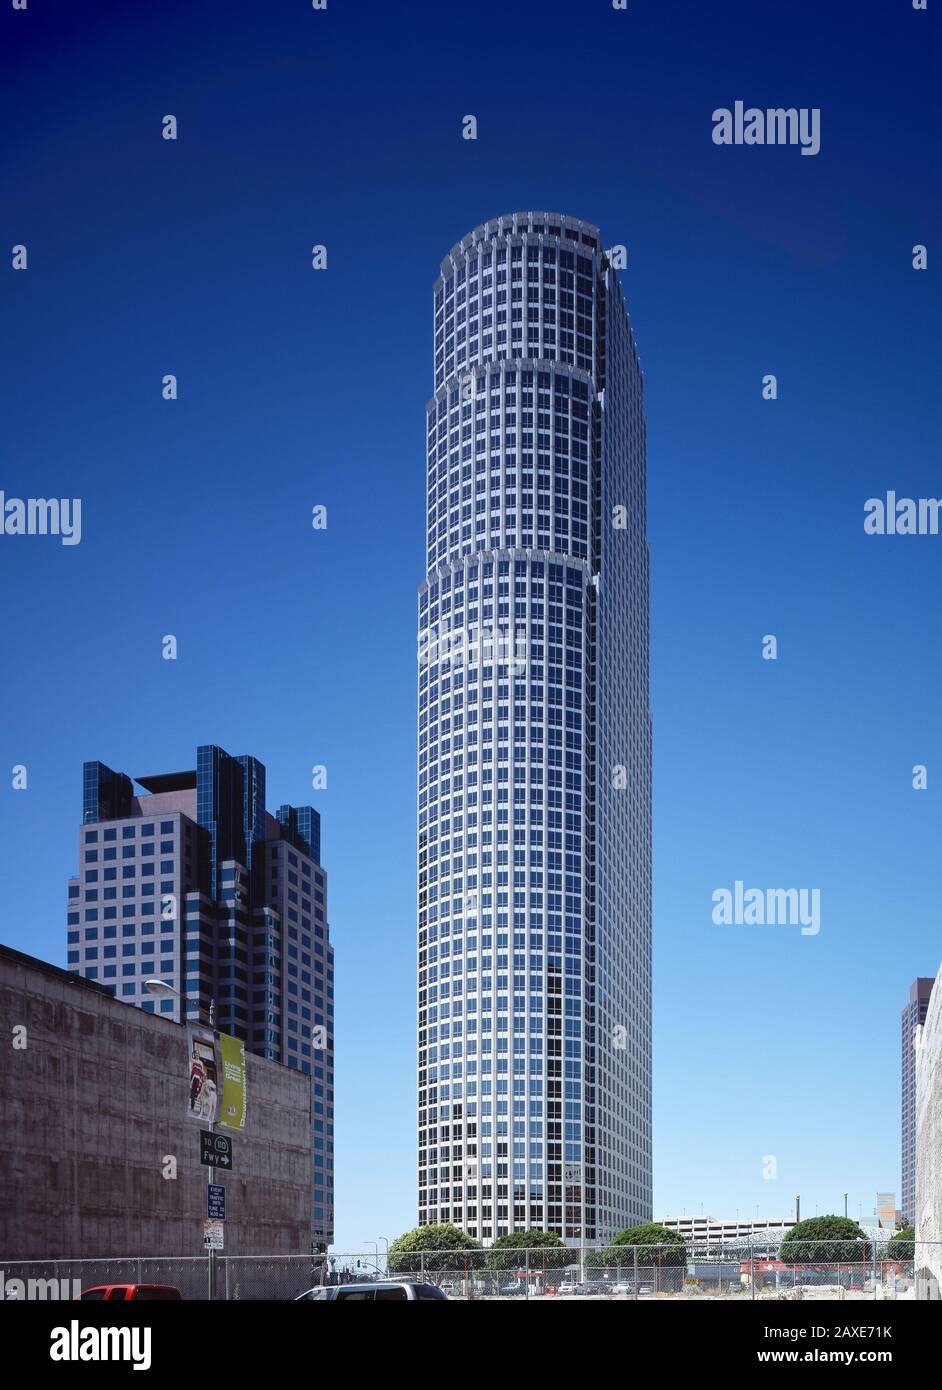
[92, 1107]
[928, 1044]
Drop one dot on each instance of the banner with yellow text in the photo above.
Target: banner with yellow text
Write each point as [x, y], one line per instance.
[232, 1110]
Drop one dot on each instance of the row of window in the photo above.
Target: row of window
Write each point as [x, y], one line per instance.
[128, 832]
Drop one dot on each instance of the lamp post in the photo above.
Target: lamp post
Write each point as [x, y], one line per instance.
[161, 990]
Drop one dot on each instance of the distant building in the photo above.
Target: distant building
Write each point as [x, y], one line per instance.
[913, 1015]
[886, 1210]
[94, 1096]
[928, 1199]
[188, 879]
[708, 1231]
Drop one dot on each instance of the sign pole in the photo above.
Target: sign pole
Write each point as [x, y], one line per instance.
[212, 1254]
[212, 1170]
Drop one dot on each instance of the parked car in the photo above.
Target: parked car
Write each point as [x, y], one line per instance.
[123, 1292]
[379, 1291]
[516, 1286]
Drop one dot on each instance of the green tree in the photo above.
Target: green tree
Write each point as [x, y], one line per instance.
[547, 1251]
[825, 1240]
[902, 1246]
[430, 1249]
[668, 1248]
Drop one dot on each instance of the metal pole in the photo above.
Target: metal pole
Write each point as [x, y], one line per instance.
[212, 1268]
[752, 1271]
[634, 1251]
[211, 1170]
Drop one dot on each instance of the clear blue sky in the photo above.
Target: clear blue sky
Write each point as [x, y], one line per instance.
[300, 387]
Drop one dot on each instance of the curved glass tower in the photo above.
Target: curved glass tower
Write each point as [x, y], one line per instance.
[534, 745]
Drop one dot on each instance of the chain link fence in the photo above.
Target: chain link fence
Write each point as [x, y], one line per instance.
[758, 1271]
[745, 1271]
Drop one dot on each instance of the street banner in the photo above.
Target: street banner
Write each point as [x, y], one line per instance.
[204, 1072]
[232, 1110]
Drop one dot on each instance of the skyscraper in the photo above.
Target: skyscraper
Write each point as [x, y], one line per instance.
[913, 1015]
[534, 745]
[190, 880]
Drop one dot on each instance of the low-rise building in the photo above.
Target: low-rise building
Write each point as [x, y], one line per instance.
[99, 1157]
[707, 1230]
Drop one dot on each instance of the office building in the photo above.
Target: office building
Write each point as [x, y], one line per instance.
[185, 877]
[534, 745]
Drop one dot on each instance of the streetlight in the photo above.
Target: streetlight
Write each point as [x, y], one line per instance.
[161, 990]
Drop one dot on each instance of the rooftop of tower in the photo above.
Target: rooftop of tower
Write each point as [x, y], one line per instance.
[548, 224]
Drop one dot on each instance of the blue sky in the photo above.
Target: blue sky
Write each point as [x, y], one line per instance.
[300, 387]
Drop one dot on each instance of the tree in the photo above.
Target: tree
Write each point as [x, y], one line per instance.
[825, 1240]
[668, 1247]
[432, 1248]
[547, 1251]
[902, 1246]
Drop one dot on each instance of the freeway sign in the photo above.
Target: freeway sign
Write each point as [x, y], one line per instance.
[215, 1150]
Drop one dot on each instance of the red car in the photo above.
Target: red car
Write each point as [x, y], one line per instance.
[126, 1291]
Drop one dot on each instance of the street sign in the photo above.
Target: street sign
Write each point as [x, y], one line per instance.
[213, 1235]
[215, 1150]
[216, 1202]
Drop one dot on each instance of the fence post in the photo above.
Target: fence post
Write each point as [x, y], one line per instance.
[752, 1271]
[634, 1251]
